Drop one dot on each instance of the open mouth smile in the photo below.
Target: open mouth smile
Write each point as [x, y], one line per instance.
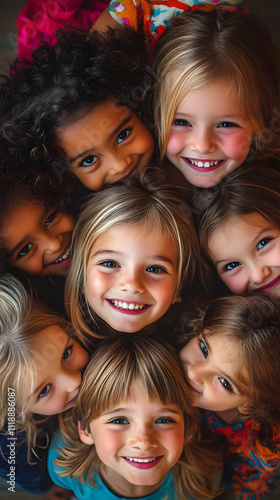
[201, 165]
[128, 307]
[62, 260]
[143, 463]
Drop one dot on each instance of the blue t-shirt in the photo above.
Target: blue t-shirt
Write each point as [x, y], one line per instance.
[85, 491]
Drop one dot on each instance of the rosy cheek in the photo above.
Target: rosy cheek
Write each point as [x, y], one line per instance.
[236, 285]
[176, 142]
[238, 146]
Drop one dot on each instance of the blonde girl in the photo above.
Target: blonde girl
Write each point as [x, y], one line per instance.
[134, 247]
[133, 432]
[239, 229]
[41, 367]
[231, 363]
[217, 94]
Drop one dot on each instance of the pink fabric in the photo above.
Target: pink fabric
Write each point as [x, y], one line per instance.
[38, 20]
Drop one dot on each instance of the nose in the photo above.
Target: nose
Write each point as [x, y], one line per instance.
[202, 141]
[131, 282]
[70, 380]
[142, 438]
[119, 164]
[197, 372]
[51, 242]
[259, 273]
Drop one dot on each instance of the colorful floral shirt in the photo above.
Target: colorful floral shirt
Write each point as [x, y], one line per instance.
[251, 468]
[154, 16]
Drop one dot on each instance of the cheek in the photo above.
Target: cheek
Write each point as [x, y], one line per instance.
[236, 284]
[176, 142]
[237, 147]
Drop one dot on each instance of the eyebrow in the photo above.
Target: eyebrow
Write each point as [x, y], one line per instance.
[22, 242]
[115, 131]
[44, 383]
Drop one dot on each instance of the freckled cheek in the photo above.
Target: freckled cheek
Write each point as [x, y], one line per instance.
[176, 143]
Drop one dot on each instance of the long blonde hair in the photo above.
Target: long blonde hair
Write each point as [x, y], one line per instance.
[202, 47]
[116, 364]
[134, 201]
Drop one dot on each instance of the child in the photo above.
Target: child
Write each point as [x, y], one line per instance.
[35, 229]
[134, 247]
[40, 370]
[232, 368]
[239, 229]
[80, 101]
[133, 432]
[217, 94]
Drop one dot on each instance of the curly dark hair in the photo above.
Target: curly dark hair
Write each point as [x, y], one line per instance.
[65, 79]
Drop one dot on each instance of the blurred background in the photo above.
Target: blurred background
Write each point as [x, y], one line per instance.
[269, 10]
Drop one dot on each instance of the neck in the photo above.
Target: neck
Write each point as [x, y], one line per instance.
[118, 485]
[230, 416]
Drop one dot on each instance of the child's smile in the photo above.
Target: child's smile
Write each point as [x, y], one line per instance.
[107, 145]
[210, 136]
[131, 277]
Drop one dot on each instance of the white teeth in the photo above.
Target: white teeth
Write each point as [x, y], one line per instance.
[141, 460]
[65, 256]
[205, 164]
[125, 305]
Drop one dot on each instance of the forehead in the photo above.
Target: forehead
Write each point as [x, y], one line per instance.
[98, 123]
[48, 345]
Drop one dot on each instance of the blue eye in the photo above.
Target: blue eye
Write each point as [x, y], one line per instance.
[232, 265]
[24, 251]
[51, 218]
[109, 263]
[180, 122]
[156, 269]
[45, 391]
[67, 353]
[118, 421]
[203, 348]
[225, 383]
[123, 135]
[263, 243]
[227, 124]
[89, 161]
[164, 420]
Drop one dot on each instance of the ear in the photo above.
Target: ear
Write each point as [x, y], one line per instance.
[243, 408]
[85, 436]
[176, 298]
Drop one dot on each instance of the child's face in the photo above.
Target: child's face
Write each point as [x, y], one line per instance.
[246, 253]
[131, 276]
[109, 144]
[59, 362]
[210, 363]
[38, 240]
[210, 136]
[139, 440]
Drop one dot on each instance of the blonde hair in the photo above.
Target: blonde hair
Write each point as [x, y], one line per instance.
[116, 364]
[132, 202]
[203, 47]
[21, 319]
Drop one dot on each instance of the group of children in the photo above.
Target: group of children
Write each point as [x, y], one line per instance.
[140, 188]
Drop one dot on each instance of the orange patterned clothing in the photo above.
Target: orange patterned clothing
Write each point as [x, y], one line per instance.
[251, 468]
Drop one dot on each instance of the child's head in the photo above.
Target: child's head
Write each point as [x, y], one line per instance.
[41, 364]
[217, 92]
[134, 247]
[134, 417]
[79, 100]
[232, 361]
[239, 230]
[35, 223]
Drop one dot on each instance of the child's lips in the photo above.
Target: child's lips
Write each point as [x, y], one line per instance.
[203, 165]
[143, 462]
[270, 285]
[128, 307]
[130, 173]
[63, 258]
